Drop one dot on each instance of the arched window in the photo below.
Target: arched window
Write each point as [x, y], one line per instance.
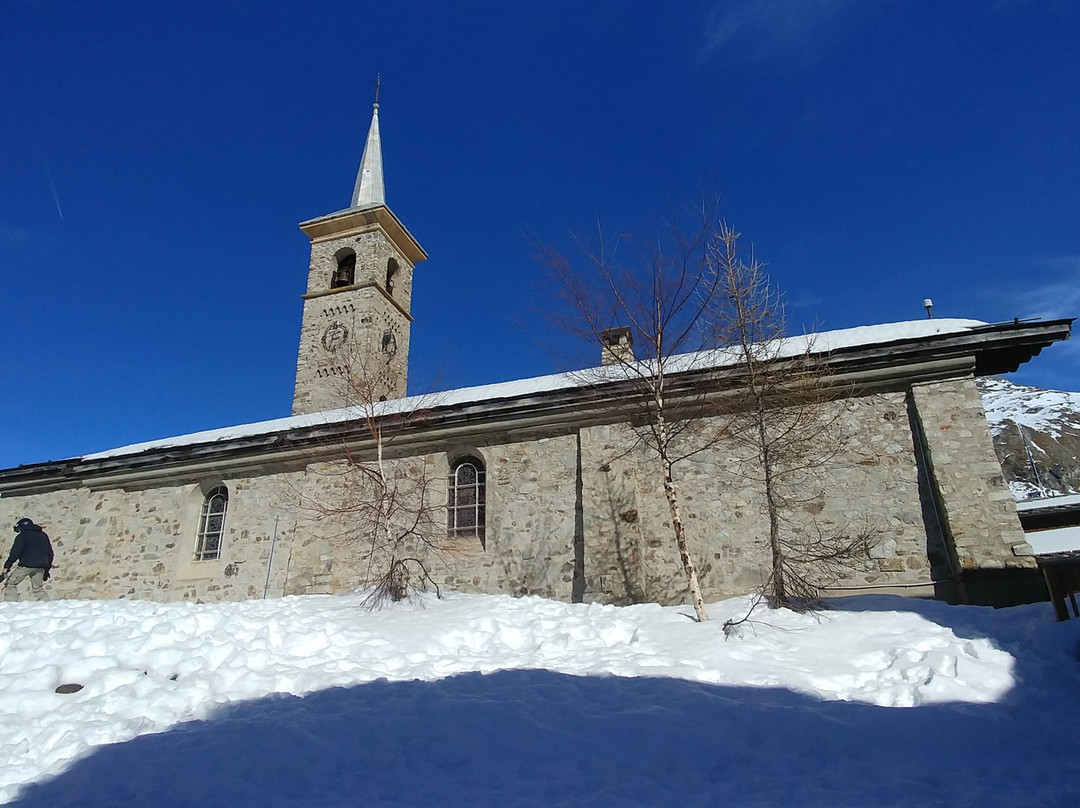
[212, 524]
[465, 501]
[391, 275]
[345, 274]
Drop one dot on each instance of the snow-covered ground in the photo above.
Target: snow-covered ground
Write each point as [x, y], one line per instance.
[491, 700]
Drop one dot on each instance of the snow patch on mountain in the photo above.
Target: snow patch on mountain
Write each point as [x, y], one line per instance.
[1036, 435]
[1048, 411]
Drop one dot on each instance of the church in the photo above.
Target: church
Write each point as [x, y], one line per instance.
[531, 487]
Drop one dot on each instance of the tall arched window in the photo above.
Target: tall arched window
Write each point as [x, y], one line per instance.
[465, 501]
[345, 274]
[212, 524]
[391, 275]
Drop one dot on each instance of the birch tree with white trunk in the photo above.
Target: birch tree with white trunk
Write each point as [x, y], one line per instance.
[657, 295]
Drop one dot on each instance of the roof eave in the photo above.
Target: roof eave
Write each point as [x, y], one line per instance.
[356, 220]
[865, 368]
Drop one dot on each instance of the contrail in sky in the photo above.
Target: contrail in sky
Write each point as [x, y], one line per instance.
[52, 186]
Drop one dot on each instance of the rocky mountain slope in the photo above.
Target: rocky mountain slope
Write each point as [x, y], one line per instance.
[1036, 435]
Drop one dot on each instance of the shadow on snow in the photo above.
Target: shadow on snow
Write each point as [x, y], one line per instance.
[540, 738]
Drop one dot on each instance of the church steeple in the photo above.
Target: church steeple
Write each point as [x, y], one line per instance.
[369, 190]
[354, 336]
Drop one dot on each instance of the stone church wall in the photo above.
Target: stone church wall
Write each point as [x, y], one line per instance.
[528, 546]
[112, 543]
[871, 482]
[979, 509]
[909, 460]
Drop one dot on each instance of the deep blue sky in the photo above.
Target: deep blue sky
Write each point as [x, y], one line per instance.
[155, 159]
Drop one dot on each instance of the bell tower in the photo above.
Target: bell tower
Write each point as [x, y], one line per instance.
[354, 335]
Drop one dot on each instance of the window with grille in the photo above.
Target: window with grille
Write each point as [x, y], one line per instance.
[212, 524]
[465, 501]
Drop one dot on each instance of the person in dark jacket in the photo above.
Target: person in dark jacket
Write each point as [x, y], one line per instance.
[34, 553]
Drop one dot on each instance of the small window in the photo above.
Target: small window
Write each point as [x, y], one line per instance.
[212, 524]
[465, 502]
[391, 275]
[345, 274]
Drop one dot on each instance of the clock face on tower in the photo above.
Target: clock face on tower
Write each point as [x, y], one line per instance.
[334, 336]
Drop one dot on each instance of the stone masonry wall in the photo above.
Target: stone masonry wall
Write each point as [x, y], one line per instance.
[531, 514]
[365, 314]
[373, 249]
[979, 508]
[140, 544]
[528, 547]
[116, 543]
[872, 481]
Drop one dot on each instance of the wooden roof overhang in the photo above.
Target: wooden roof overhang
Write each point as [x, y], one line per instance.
[1050, 515]
[860, 369]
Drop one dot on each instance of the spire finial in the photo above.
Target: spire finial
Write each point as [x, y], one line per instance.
[368, 190]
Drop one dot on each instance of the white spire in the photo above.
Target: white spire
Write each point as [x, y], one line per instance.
[369, 191]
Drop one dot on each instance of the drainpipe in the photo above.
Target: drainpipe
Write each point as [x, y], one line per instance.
[270, 561]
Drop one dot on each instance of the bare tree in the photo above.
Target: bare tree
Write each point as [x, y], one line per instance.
[786, 413]
[382, 503]
[687, 301]
[657, 300]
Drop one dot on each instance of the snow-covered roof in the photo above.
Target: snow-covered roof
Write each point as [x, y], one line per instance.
[1049, 540]
[1048, 502]
[823, 342]
[1055, 540]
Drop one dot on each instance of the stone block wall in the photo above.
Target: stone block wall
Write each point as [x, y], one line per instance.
[546, 526]
[978, 507]
[373, 250]
[532, 489]
[528, 547]
[336, 505]
[113, 543]
[344, 330]
[869, 481]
